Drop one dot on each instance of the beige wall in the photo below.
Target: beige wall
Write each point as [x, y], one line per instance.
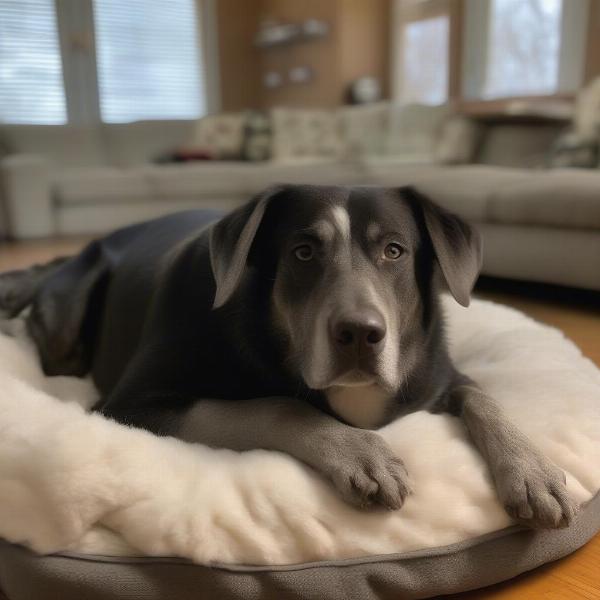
[364, 47]
[320, 55]
[357, 45]
[237, 23]
[592, 67]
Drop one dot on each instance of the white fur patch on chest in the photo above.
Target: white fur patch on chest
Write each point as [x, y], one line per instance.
[361, 406]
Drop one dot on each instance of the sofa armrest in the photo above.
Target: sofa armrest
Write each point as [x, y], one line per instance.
[25, 180]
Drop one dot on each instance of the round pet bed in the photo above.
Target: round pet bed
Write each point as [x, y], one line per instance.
[119, 513]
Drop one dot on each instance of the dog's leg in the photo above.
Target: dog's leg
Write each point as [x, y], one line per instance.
[530, 487]
[360, 463]
[18, 288]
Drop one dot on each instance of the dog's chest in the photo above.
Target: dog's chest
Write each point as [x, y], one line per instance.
[362, 406]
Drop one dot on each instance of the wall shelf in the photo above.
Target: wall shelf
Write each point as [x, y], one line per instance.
[273, 34]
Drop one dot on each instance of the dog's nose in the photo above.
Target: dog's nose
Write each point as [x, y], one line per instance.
[362, 331]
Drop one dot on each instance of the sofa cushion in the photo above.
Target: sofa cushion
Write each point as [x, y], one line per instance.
[66, 145]
[204, 180]
[459, 140]
[396, 172]
[568, 198]
[200, 179]
[414, 130]
[586, 119]
[141, 142]
[465, 190]
[309, 172]
[257, 137]
[364, 129]
[299, 133]
[468, 190]
[556, 198]
[93, 185]
[574, 150]
[518, 144]
[221, 135]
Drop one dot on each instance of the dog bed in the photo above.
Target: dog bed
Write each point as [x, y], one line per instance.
[118, 512]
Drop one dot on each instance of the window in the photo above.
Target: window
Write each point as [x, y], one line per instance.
[424, 77]
[423, 68]
[148, 60]
[31, 79]
[523, 52]
[121, 60]
[523, 47]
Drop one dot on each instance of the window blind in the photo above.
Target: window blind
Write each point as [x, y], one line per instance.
[148, 56]
[31, 79]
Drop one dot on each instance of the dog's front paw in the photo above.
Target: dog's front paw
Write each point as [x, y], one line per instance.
[365, 471]
[534, 493]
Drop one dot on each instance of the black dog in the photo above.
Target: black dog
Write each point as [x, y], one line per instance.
[293, 323]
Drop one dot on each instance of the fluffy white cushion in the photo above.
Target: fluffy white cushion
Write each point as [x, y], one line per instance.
[72, 480]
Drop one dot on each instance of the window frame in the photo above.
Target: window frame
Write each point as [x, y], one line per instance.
[582, 24]
[405, 12]
[59, 81]
[77, 46]
[572, 51]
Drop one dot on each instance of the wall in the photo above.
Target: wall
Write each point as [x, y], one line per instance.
[239, 59]
[365, 42]
[592, 66]
[357, 45]
[321, 55]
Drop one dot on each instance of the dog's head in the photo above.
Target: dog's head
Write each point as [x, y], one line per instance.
[351, 273]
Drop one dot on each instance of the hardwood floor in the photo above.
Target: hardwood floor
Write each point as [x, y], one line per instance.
[17, 255]
[575, 313]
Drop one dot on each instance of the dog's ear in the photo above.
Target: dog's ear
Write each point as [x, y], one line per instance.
[230, 241]
[457, 245]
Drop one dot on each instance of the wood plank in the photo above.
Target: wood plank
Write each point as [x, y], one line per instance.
[592, 63]
[18, 255]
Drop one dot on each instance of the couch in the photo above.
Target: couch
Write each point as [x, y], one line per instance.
[538, 224]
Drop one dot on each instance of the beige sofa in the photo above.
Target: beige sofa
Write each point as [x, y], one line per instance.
[540, 225]
[70, 180]
[537, 225]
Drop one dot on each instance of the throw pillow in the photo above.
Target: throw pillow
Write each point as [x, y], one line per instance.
[459, 140]
[257, 137]
[364, 129]
[220, 136]
[300, 134]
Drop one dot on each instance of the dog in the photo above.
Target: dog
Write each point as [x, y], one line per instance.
[299, 322]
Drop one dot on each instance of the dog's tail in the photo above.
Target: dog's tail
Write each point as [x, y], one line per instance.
[18, 288]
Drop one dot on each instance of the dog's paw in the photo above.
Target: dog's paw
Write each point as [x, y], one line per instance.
[534, 493]
[366, 472]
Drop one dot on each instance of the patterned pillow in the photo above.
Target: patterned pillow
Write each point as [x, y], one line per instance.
[459, 140]
[586, 120]
[580, 146]
[414, 130]
[364, 129]
[305, 134]
[257, 137]
[220, 136]
[575, 150]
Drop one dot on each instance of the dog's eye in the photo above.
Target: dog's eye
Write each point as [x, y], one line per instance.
[304, 252]
[393, 251]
